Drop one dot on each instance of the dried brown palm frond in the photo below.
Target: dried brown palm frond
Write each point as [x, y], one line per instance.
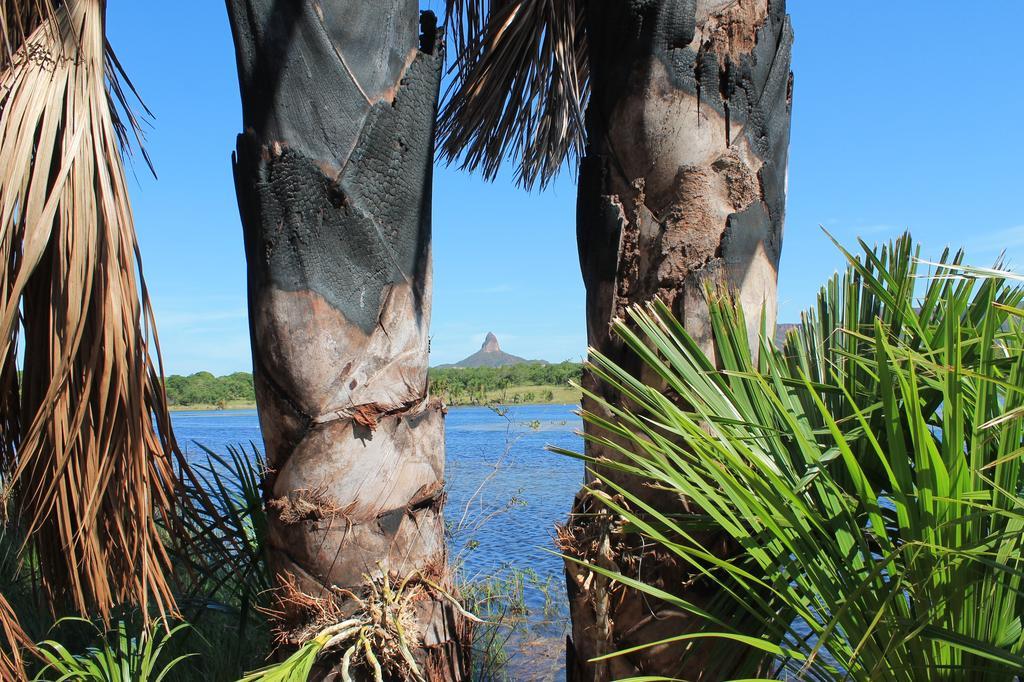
[12, 641]
[520, 86]
[89, 447]
[18, 20]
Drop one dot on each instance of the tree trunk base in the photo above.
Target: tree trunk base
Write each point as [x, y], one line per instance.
[610, 617]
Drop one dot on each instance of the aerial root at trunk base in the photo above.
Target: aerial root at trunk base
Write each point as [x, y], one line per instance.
[371, 631]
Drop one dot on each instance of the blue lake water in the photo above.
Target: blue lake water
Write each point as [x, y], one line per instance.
[505, 491]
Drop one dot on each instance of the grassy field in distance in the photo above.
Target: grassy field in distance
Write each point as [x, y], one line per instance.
[523, 395]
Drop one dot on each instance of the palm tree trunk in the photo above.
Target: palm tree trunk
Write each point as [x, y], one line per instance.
[333, 175]
[683, 186]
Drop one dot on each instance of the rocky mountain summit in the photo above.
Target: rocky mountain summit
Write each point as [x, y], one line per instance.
[491, 344]
[491, 355]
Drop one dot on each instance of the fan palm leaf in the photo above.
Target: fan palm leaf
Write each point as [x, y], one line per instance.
[870, 475]
[88, 446]
[520, 86]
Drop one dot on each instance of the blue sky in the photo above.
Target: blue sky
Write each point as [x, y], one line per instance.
[903, 118]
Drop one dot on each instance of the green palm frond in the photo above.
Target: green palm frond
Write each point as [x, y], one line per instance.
[869, 475]
[894, 286]
[88, 442]
[520, 86]
[121, 655]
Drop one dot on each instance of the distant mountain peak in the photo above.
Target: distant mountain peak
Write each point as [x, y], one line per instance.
[491, 355]
[491, 344]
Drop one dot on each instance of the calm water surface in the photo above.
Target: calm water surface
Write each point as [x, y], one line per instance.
[505, 492]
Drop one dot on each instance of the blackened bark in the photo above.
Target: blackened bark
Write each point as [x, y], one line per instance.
[333, 175]
[682, 186]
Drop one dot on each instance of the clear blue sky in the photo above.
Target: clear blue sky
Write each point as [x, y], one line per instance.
[899, 113]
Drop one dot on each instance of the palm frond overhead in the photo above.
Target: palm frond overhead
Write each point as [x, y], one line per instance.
[88, 441]
[520, 86]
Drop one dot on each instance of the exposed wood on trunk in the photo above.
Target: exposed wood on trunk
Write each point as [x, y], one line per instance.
[333, 174]
[683, 187]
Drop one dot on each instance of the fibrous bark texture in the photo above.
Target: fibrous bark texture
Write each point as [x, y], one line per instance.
[682, 187]
[333, 175]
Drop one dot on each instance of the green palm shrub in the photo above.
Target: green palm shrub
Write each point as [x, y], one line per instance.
[120, 656]
[224, 565]
[868, 473]
[224, 582]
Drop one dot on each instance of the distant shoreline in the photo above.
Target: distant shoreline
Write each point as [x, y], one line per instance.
[233, 406]
[560, 395]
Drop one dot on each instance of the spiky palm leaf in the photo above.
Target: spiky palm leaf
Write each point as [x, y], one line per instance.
[89, 470]
[225, 525]
[876, 502]
[520, 86]
[888, 285]
[121, 654]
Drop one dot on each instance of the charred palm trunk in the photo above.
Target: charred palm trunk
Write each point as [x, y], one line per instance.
[333, 175]
[683, 186]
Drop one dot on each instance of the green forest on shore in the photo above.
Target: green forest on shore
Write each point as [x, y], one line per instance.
[527, 383]
[203, 389]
